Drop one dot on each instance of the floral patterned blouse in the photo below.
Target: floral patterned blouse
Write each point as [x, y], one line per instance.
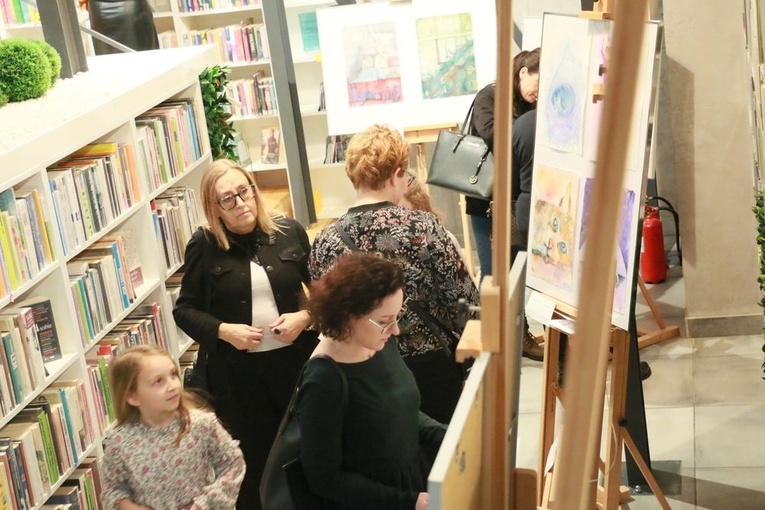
[142, 464]
[434, 271]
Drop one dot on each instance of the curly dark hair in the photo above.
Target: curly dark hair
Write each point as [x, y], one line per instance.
[355, 286]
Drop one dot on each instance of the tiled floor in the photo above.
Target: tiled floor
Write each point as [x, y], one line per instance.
[705, 414]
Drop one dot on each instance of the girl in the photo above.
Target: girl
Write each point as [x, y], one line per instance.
[161, 454]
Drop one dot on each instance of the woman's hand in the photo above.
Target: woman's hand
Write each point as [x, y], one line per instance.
[241, 336]
[422, 501]
[288, 326]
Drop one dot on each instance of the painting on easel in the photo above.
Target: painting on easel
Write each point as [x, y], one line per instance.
[447, 55]
[551, 234]
[574, 56]
[564, 96]
[372, 64]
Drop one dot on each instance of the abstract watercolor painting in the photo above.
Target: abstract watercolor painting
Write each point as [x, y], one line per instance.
[447, 56]
[624, 246]
[554, 226]
[372, 64]
[563, 90]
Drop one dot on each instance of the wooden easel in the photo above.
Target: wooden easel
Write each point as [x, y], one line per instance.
[611, 494]
[664, 332]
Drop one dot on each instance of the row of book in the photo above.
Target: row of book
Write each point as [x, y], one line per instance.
[206, 5]
[45, 440]
[29, 341]
[335, 148]
[235, 43]
[144, 326]
[103, 280]
[25, 244]
[169, 140]
[19, 12]
[176, 218]
[91, 189]
[252, 96]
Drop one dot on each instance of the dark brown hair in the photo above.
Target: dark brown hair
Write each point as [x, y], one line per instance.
[529, 60]
[355, 286]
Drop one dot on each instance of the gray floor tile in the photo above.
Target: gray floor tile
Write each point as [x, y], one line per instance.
[729, 345]
[730, 436]
[670, 384]
[726, 380]
[670, 434]
[727, 488]
[671, 349]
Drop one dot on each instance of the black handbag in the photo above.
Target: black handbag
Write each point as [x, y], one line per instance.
[462, 162]
[284, 485]
[196, 379]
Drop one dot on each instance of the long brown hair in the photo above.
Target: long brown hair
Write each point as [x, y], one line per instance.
[266, 217]
[529, 60]
[123, 375]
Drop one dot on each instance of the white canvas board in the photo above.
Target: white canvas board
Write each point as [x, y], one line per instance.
[563, 178]
[405, 65]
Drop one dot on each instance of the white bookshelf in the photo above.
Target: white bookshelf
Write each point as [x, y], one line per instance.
[95, 107]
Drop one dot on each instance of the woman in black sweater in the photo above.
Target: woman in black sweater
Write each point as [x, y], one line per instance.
[368, 453]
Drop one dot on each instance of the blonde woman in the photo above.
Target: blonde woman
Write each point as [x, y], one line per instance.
[239, 299]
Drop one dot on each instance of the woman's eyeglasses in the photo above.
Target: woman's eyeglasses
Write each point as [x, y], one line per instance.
[410, 177]
[229, 201]
[384, 328]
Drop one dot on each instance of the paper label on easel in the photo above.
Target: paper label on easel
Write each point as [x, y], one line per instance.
[563, 325]
[540, 308]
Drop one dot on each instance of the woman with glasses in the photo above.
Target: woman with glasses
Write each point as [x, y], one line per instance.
[239, 300]
[366, 452]
[377, 163]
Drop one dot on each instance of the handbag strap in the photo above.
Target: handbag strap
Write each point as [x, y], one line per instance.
[468, 118]
[431, 322]
[293, 400]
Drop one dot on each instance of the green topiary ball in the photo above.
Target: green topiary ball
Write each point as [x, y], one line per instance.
[3, 99]
[24, 70]
[54, 59]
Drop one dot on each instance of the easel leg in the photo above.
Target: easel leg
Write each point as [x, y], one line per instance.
[549, 402]
[614, 441]
[652, 483]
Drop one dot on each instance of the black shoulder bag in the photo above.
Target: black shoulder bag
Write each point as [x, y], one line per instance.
[284, 485]
[435, 325]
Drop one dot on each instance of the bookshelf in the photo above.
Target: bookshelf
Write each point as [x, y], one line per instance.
[109, 104]
[332, 191]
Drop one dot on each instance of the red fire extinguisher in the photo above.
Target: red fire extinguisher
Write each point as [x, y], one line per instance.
[653, 264]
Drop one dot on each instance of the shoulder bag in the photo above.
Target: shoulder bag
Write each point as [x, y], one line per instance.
[462, 162]
[284, 485]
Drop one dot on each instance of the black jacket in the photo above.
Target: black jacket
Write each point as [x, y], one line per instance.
[216, 286]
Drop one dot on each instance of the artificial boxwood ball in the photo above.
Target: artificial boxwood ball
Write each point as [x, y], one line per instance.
[24, 70]
[54, 59]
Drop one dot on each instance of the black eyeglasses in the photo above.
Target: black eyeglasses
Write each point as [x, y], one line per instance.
[229, 201]
[410, 177]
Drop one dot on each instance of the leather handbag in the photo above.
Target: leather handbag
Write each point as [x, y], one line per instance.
[462, 162]
[284, 485]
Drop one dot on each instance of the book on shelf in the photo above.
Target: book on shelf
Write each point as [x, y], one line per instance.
[19, 377]
[336, 145]
[20, 321]
[9, 453]
[47, 334]
[67, 495]
[32, 457]
[270, 146]
[7, 496]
